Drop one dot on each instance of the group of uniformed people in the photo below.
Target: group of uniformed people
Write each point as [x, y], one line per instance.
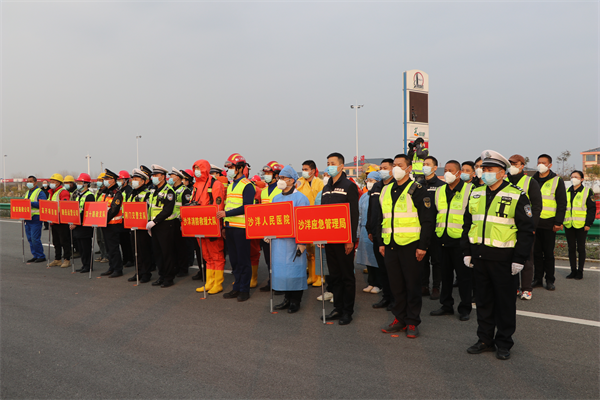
[477, 225]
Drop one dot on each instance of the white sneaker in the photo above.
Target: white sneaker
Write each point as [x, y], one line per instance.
[375, 290]
[519, 292]
[526, 295]
[368, 289]
[328, 296]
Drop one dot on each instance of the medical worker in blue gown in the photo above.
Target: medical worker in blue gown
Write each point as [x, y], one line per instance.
[288, 257]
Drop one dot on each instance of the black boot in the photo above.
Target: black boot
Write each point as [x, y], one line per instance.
[282, 306]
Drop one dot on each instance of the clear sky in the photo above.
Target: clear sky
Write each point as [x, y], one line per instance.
[275, 80]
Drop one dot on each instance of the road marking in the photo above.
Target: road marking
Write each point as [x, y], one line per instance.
[585, 269]
[559, 318]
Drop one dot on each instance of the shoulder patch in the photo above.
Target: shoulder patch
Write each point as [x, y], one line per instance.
[170, 197]
[528, 210]
[427, 202]
[187, 196]
[117, 202]
[218, 201]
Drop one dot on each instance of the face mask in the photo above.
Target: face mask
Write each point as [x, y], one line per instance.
[198, 173]
[306, 174]
[45, 185]
[325, 180]
[231, 174]
[79, 187]
[155, 180]
[514, 170]
[450, 177]
[398, 173]
[542, 168]
[427, 170]
[268, 178]
[53, 186]
[479, 172]
[465, 177]
[135, 184]
[281, 185]
[489, 178]
[332, 170]
[106, 183]
[171, 182]
[119, 183]
[384, 174]
[370, 185]
[575, 181]
[66, 186]
[99, 184]
[29, 185]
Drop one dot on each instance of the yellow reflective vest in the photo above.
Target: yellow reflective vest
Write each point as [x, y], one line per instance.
[450, 217]
[549, 198]
[235, 199]
[401, 219]
[577, 209]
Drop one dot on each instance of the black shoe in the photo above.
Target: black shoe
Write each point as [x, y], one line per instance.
[116, 274]
[502, 354]
[537, 283]
[389, 307]
[435, 294]
[550, 286]
[79, 270]
[283, 306]
[441, 311]
[158, 282]
[85, 270]
[294, 307]
[132, 279]
[145, 280]
[266, 288]
[243, 296]
[182, 274]
[455, 284]
[464, 317]
[231, 295]
[395, 326]
[32, 260]
[107, 273]
[198, 276]
[381, 303]
[41, 259]
[345, 320]
[168, 283]
[332, 316]
[128, 264]
[480, 347]
[572, 275]
[579, 276]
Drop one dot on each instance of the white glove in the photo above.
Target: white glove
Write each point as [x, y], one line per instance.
[150, 225]
[467, 261]
[267, 240]
[516, 268]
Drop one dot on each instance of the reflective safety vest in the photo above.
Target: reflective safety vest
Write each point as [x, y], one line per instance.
[496, 228]
[266, 198]
[137, 198]
[178, 200]
[524, 184]
[109, 199]
[156, 202]
[400, 219]
[81, 199]
[235, 199]
[33, 196]
[451, 216]
[417, 165]
[549, 198]
[576, 210]
[56, 195]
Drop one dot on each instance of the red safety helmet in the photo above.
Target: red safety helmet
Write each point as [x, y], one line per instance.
[123, 175]
[255, 178]
[236, 160]
[189, 172]
[84, 178]
[273, 166]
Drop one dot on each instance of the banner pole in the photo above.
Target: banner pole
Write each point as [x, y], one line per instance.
[137, 271]
[49, 241]
[73, 250]
[322, 278]
[201, 264]
[271, 268]
[92, 258]
[23, 237]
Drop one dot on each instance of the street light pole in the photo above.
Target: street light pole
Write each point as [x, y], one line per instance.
[356, 107]
[137, 149]
[88, 158]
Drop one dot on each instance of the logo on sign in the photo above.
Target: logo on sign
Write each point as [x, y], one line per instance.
[418, 81]
[417, 133]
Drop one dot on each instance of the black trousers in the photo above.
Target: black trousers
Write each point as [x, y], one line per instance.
[126, 247]
[112, 238]
[404, 272]
[576, 242]
[294, 296]
[525, 278]
[239, 256]
[452, 261]
[496, 302]
[61, 239]
[181, 250]
[383, 275]
[341, 281]
[144, 255]
[164, 242]
[432, 261]
[543, 255]
[373, 276]
[191, 243]
[85, 249]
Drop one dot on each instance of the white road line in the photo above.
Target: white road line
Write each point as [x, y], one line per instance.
[559, 318]
[585, 268]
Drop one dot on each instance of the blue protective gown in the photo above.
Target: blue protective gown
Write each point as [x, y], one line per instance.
[364, 252]
[288, 274]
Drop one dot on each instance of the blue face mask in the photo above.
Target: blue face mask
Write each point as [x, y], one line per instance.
[268, 178]
[231, 174]
[465, 177]
[53, 186]
[119, 183]
[99, 184]
[171, 181]
[66, 186]
[135, 184]
[79, 187]
[384, 174]
[106, 183]
[332, 170]
[45, 185]
[29, 185]
[489, 178]
[155, 180]
[427, 170]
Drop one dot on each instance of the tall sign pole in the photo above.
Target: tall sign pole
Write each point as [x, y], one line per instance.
[356, 107]
[416, 107]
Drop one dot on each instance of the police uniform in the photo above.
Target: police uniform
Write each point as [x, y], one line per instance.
[126, 247]
[432, 263]
[144, 241]
[83, 234]
[496, 241]
[182, 198]
[163, 228]
[114, 227]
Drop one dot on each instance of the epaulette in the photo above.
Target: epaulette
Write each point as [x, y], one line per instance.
[414, 187]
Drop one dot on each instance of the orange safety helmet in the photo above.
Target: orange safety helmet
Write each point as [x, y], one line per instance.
[123, 175]
[83, 177]
[273, 166]
[235, 160]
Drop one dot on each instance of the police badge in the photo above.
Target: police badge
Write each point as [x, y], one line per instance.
[528, 211]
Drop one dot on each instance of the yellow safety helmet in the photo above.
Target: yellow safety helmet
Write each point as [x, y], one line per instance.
[372, 168]
[69, 178]
[57, 177]
[101, 176]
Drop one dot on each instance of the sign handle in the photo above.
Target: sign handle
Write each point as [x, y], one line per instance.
[92, 258]
[201, 264]
[137, 271]
[23, 237]
[271, 268]
[322, 277]
[49, 241]
[73, 250]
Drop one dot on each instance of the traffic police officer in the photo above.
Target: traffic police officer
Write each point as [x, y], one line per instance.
[140, 194]
[497, 239]
[114, 227]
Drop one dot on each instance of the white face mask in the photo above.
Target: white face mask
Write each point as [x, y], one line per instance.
[479, 172]
[398, 173]
[198, 173]
[542, 168]
[370, 185]
[575, 181]
[135, 184]
[306, 174]
[281, 185]
[450, 177]
[514, 170]
[325, 180]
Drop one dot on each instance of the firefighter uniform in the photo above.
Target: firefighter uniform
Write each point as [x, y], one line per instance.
[113, 198]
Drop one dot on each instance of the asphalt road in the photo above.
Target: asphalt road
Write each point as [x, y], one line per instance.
[66, 336]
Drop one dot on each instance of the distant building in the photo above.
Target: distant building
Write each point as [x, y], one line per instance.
[590, 158]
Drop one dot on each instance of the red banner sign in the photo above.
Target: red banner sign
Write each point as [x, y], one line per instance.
[20, 209]
[94, 214]
[135, 215]
[200, 221]
[49, 211]
[270, 220]
[69, 212]
[327, 223]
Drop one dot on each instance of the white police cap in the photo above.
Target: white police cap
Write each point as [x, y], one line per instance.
[157, 169]
[491, 158]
